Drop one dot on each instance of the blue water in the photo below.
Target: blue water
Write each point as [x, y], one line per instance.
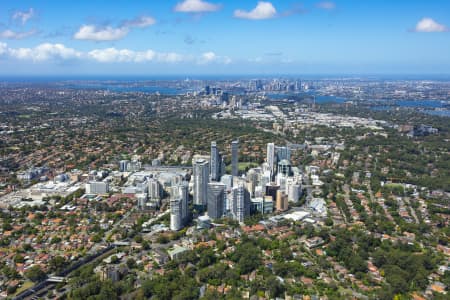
[430, 107]
[420, 103]
[126, 88]
[329, 99]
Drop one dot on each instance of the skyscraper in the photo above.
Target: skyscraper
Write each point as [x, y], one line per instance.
[216, 162]
[216, 200]
[283, 152]
[183, 195]
[154, 189]
[271, 156]
[241, 203]
[234, 157]
[201, 177]
[123, 165]
[281, 201]
[176, 222]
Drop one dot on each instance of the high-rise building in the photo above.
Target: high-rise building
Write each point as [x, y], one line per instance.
[283, 152]
[282, 201]
[201, 177]
[154, 189]
[123, 165]
[271, 156]
[222, 165]
[294, 192]
[241, 203]
[176, 221]
[216, 200]
[97, 187]
[271, 190]
[228, 181]
[181, 191]
[284, 167]
[216, 162]
[141, 201]
[234, 158]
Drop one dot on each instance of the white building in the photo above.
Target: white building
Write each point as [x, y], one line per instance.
[176, 222]
[97, 187]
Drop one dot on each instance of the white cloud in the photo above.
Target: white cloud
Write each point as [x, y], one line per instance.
[141, 22]
[44, 52]
[170, 57]
[263, 10]
[3, 48]
[196, 6]
[208, 57]
[91, 32]
[23, 16]
[211, 57]
[58, 52]
[14, 35]
[430, 25]
[121, 55]
[328, 5]
[108, 33]
[113, 55]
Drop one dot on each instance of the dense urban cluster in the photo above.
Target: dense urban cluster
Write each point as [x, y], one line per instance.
[223, 191]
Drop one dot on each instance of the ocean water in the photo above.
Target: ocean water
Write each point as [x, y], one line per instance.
[431, 107]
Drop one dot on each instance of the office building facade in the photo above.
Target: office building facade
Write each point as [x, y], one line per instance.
[201, 179]
[234, 158]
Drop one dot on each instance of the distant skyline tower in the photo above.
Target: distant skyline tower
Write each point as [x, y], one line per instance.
[201, 178]
[216, 162]
[216, 200]
[234, 157]
[271, 156]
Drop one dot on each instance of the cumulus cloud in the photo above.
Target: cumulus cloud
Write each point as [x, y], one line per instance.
[113, 55]
[430, 25]
[58, 52]
[263, 10]
[23, 16]
[91, 32]
[141, 22]
[3, 48]
[170, 57]
[196, 6]
[120, 55]
[327, 5]
[109, 33]
[211, 57]
[15, 35]
[44, 52]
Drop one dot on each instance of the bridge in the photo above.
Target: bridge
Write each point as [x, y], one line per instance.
[56, 279]
[118, 244]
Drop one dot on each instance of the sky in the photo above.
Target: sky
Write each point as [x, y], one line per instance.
[153, 37]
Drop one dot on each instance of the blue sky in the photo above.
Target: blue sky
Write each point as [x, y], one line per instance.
[153, 37]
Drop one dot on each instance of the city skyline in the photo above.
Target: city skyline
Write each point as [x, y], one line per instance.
[216, 37]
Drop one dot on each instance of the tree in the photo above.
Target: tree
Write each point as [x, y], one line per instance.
[131, 263]
[57, 263]
[35, 274]
[114, 259]
[274, 286]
